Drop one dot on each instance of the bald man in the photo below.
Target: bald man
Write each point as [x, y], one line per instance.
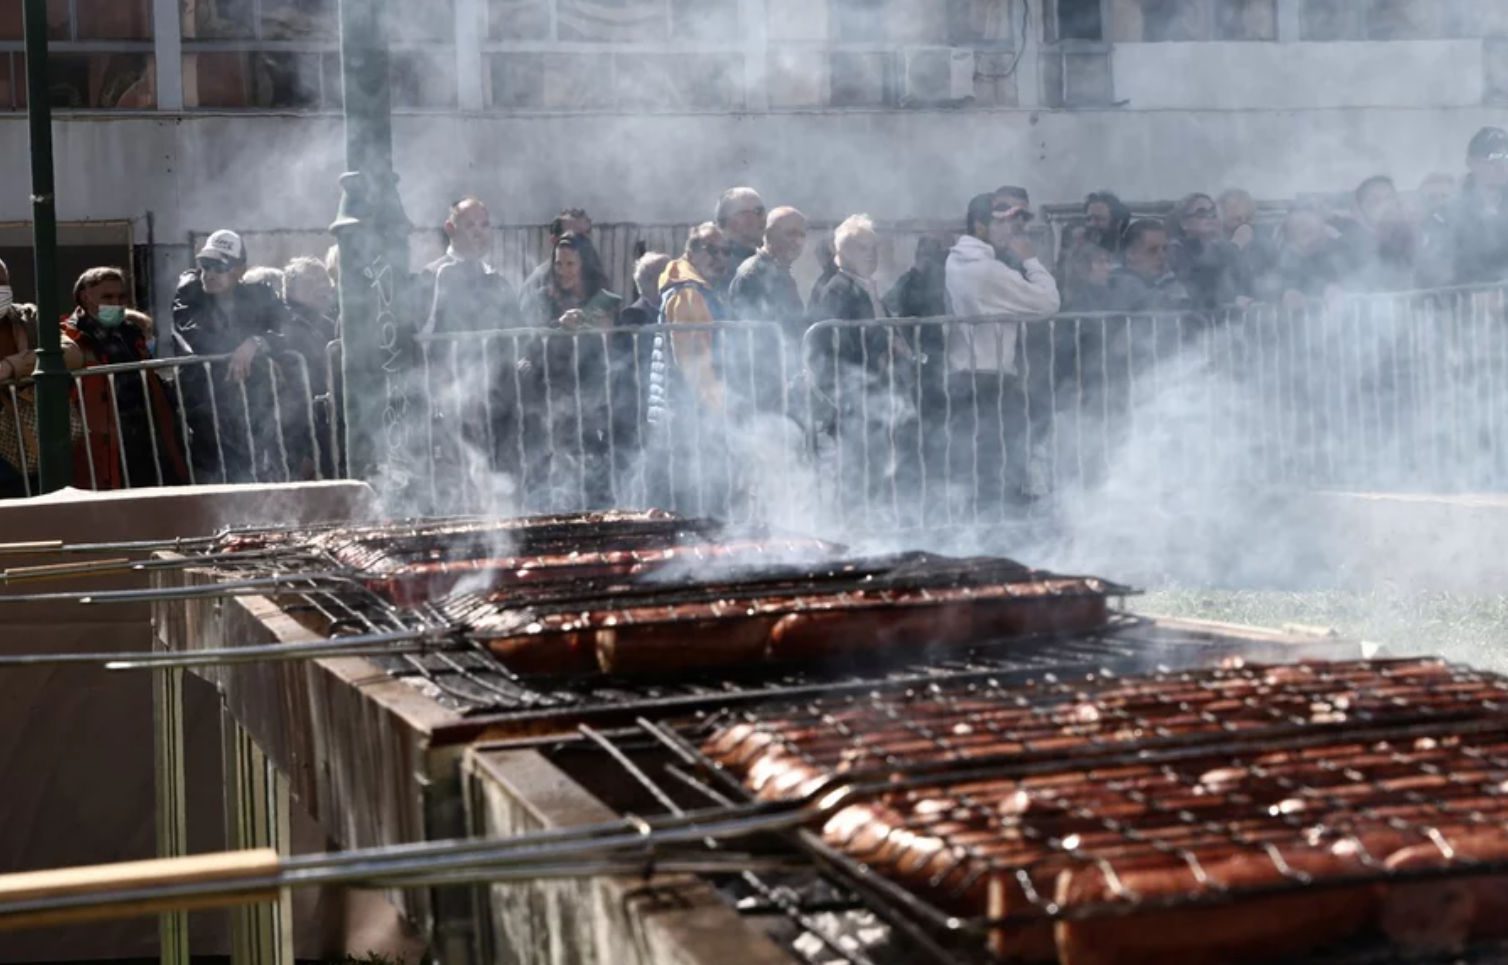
[763, 289]
[466, 293]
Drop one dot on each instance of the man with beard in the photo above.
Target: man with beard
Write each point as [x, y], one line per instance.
[1381, 239]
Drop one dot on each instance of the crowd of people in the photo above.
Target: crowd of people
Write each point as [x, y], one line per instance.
[264, 331]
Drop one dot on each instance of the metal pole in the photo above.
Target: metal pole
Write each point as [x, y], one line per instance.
[372, 231]
[56, 456]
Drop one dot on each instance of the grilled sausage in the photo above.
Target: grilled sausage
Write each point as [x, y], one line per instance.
[1271, 928]
[698, 646]
[1442, 916]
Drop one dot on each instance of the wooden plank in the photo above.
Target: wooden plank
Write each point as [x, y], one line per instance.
[158, 872]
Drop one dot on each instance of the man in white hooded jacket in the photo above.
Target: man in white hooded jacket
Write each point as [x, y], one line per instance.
[984, 393]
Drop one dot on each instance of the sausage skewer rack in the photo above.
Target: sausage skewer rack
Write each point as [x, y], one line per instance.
[1189, 777]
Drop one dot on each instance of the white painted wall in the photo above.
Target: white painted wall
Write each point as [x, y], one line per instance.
[1245, 76]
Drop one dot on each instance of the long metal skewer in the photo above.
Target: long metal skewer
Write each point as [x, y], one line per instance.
[632, 845]
[368, 644]
[16, 574]
[290, 582]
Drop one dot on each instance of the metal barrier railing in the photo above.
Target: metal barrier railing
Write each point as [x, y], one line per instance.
[548, 418]
[916, 425]
[182, 420]
[885, 424]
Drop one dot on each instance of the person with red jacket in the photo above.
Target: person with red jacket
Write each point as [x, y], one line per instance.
[131, 437]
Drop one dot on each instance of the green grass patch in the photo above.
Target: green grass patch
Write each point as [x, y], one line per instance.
[1472, 629]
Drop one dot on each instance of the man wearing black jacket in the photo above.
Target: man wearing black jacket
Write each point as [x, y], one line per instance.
[215, 313]
[1479, 221]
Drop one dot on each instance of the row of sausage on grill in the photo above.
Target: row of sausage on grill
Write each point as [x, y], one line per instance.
[653, 593]
[1244, 852]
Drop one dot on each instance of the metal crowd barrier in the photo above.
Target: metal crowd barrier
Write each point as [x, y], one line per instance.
[883, 425]
[181, 420]
[913, 426]
[549, 419]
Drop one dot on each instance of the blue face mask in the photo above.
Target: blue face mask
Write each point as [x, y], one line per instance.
[111, 316]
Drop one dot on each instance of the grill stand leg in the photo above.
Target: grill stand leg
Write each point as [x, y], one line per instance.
[256, 816]
[172, 823]
[454, 937]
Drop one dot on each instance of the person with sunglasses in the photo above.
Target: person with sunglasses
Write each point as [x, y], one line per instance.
[216, 312]
[1210, 267]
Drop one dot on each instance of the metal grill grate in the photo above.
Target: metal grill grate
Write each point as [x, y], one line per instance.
[1339, 814]
[990, 811]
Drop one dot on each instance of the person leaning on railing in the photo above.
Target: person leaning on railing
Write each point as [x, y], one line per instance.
[135, 416]
[216, 313]
[18, 404]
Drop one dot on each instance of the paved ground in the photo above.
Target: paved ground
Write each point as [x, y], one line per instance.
[1472, 629]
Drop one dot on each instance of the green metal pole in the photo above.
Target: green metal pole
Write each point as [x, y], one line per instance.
[377, 357]
[56, 456]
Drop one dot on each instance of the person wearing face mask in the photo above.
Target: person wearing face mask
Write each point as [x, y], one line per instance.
[984, 392]
[18, 360]
[132, 429]
[216, 313]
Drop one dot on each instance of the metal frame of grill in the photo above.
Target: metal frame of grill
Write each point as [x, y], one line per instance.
[1413, 733]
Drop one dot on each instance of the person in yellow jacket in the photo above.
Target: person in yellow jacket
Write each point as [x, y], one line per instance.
[685, 387]
[688, 295]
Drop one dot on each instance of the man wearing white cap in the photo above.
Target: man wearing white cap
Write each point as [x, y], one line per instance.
[215, 312]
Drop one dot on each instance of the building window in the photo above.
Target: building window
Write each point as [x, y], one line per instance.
[1396, 19]
[1246, 20]
[285, 54]
[1079, 20]
[589, 55]
[102, 58]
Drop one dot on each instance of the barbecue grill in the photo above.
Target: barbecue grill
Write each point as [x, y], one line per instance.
[367, 662]
[1342, 812]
